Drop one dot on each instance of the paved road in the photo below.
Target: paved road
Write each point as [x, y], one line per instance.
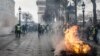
[28, 45]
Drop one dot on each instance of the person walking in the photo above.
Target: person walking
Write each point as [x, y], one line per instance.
[24, 29]
[95, 32]
[39, 30]
[17, 30]
[88, 33]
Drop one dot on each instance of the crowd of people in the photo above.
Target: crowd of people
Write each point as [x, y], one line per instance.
[92, 33]
[41, 29]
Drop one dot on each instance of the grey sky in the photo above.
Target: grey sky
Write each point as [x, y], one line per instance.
[30, 6]
[89, 6]
[27, 6]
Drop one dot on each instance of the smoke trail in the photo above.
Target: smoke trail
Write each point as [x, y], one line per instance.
[7, 22]
[57, 37]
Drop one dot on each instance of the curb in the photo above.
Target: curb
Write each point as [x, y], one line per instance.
[6, 35]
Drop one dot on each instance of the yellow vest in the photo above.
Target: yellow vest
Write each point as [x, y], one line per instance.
[18, 28]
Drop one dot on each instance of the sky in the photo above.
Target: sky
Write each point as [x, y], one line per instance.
[27, 6]
[88, 6]
[31, 7]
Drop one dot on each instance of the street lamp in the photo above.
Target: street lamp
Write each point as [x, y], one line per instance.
[19, 15]
[83, 8]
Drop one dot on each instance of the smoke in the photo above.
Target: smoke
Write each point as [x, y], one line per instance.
[57, 37]
[59, 48]
[7, 22]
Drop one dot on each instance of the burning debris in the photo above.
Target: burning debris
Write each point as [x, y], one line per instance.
[72, 45]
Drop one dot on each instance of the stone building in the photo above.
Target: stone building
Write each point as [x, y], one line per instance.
[51, 11]
[58, 10]
[41, 10]
[7, 16]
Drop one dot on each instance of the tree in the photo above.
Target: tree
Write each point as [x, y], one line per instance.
[94, 12]
[27, 16]
[76, 3]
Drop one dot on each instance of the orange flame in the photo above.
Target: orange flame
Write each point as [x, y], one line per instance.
[73, 43]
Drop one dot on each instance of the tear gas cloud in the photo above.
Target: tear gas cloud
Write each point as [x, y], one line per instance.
[57, 37]
[7, 22]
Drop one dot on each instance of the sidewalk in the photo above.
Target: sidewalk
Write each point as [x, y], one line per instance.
[4, 35]
[6, 40]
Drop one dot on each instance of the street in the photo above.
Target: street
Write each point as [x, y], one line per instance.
[49, 28]
[28, 45]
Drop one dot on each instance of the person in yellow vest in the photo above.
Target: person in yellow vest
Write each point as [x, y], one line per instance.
[17, 30]
[91, 33]
[94, 34]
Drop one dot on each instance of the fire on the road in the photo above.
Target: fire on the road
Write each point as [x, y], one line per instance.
[73, 43]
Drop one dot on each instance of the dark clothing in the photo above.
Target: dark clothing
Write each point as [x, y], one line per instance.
[24, 29]
[17, 31]
[94, 34]
[39, 30]
[88, 33]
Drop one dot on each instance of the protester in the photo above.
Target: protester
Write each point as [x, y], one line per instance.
[17, 30]
[94, 34]
[39, 30]
[23, 29]
[88, 33]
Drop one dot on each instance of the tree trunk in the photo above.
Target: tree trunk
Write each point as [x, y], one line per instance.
[75, 2]
[94, 12]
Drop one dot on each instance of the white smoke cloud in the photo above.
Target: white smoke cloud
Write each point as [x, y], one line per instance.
[57, 37]
[7, 22]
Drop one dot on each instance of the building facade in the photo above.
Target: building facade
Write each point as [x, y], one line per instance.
[58, 10]
[8, 6]
[7, 16]
[51, 11]
[41, 10]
